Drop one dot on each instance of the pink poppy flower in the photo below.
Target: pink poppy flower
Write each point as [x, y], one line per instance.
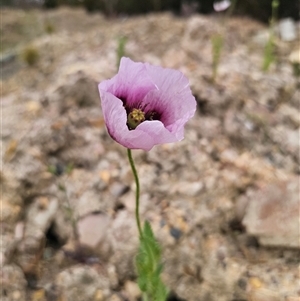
[145, 105]
[221, 5]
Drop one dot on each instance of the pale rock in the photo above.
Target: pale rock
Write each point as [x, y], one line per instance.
[32, 171]
[7, 246]
[61, 226]
[13, 283]
[87, 155]
[10, 188]
[33, 108]
[83, 190]
[99, 295]
[290, 115]
[287, 139]
[219, 266]
[293, 298]
[287, 30]
[263, 294]
[77, 89]
[16, 295]
[128, 200]
[115, 297]
[80, 283]
[272, 214]
[123, 237]
[92, 229]
[89, 201]
[52, 136]
[294, 57]
[228, 156]
[132, 289]
[117, 189]
[113, 276]
[209, 127]
[189, 188]
[196, 32]
[174, 58]
[241, 207]
[9, 212]
[29, 254]
[19, 230]
[40, 215]
[262, 37]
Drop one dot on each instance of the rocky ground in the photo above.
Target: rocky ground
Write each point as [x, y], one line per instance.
[224, 202]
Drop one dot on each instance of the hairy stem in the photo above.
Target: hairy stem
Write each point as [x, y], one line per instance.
[145, 297]
[137, 192]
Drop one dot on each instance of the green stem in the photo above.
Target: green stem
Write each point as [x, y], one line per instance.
[137, 192]
[145, 297]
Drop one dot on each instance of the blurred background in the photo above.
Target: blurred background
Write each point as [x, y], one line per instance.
[223, 203]
[260, 10]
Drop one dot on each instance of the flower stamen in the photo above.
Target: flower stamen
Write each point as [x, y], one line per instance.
[134, 118]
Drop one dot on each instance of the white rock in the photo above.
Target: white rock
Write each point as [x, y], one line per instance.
[80, 283]
[12, 280]
[272, 214]
[189, 188]
[40, 216]
[294, 57]
[287, 30]
[132, 290]
[92, 228]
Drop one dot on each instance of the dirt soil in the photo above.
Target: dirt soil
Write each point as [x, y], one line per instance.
[224, 202]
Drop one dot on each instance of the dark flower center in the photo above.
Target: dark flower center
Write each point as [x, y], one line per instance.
[136, 116]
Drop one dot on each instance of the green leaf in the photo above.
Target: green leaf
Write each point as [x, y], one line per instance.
[149, 267]
[121, 49]
[69, 168]
[52, 169]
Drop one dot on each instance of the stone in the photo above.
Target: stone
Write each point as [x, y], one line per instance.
[7, 247]
[287, 30]
[189, 188]
[263, 294]
[123, 237]
[262, 37]
[118, 189]
[83, 191]
[290, 115]
[99, 295]
[132, 290]
[294, 57]
[92, 229]
[11, 190]
[61, 226]
[77, 89]
[29, 254]
[174, 58]
[38, 295]
[13, 283]
[272, 214]
[19, 230]
[9, 212]
[287, 138]
[40, 215]
[115, 297]
[81, 283]
[293, 298]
